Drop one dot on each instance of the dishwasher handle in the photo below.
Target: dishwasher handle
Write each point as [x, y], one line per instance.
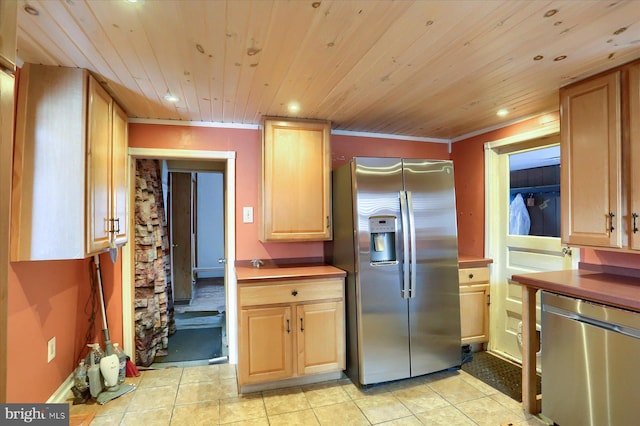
[624, 330]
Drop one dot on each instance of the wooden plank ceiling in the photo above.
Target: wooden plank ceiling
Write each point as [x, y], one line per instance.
[432, 69]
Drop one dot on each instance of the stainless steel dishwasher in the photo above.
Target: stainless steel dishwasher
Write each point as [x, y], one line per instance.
[590, 363]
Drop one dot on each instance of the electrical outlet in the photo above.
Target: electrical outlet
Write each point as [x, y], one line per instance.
[51, 349]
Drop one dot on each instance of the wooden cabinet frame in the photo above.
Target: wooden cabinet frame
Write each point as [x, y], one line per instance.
[69, 195]
[600, 135]
[295, 196]
[290, 329]
[475, 293]
[591, 141]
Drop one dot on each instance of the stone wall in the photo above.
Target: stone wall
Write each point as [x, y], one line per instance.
[153, 293]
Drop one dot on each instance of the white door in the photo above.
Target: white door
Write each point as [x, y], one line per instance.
[514, 250]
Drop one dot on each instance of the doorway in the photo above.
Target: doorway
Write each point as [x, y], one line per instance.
[192, 157]
[194, 194]
[522, 228]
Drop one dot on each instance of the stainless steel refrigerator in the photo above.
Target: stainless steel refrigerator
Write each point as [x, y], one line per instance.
[395, 234]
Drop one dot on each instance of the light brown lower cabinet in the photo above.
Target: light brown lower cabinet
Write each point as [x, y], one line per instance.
[474, 304]
[265, 344]
[290, 329]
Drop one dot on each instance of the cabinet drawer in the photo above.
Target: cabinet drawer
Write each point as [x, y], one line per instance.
[291, 291]
[473, 275]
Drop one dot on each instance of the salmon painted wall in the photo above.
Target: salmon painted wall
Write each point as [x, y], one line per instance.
[610, 258]
[246, 143]
[48, 299]
[468, 163]
[344, 148]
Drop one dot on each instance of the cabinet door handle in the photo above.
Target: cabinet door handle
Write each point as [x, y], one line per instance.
[114, 225]
[635, 226]
[611, 216]
[301, 324]
[288, 327]
[328, 222]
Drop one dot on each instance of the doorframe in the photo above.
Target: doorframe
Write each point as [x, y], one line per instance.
[128, 271]
[493, 239]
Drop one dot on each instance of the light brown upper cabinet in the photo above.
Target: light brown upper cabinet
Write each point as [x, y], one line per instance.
[633, 146]
[296, 180]
[106, 186]
[8, 19]
[69, 195]
[600, 160]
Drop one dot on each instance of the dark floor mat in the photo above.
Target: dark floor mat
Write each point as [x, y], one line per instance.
[497, 373]
[193, 344]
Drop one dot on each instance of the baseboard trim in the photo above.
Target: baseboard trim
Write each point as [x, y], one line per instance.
[296, 381]
[62, 393]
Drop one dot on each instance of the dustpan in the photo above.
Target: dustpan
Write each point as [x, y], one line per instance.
[109, 364]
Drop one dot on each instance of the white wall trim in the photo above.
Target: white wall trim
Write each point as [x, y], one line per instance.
[230, 244]
[180, 154]
[388, 136]
[62, 393]
[553, 129]
[500, 126]
[194, 123]
[257, 127]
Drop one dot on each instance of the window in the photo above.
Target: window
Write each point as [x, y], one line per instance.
[534, 188]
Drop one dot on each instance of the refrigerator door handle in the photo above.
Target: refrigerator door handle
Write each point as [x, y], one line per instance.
[405, 245]
[412, 239]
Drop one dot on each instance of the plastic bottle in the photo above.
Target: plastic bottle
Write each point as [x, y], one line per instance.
[122, 359]
[80, 377]
[95, 353]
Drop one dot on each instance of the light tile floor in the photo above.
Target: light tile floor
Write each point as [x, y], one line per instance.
[208, 395]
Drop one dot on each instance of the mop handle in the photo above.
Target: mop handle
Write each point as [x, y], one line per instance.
[96, 260]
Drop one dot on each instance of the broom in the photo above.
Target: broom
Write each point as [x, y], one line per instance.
[109, 364]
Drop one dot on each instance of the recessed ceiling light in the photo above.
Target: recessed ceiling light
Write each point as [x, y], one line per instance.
[293, 107]
[502, 112]
[170, 97]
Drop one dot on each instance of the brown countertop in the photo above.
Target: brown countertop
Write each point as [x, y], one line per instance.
[246, 274]
[466, 261]
[609, 289]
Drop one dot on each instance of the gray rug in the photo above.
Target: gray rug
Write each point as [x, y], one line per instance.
[498, 373]
[193, 344]
[198, 319]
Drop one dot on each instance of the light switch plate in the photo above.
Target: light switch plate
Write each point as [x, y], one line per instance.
[247, 214]
[51, 349]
